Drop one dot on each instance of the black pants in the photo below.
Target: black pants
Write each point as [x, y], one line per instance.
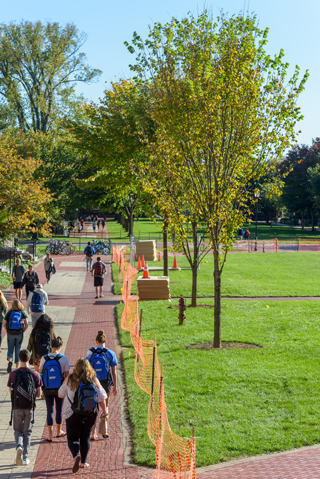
[29, 289]
[78, 434]
[48, 273]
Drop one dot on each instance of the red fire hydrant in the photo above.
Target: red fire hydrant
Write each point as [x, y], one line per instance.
[182, 308]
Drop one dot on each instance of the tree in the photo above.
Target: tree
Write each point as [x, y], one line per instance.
[24, 202]
[297, 194]
[39, 66]
[221, 106]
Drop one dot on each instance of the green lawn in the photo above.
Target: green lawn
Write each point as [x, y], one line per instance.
[241, 402]
[253, 275]
[282, 233]
[143, 229]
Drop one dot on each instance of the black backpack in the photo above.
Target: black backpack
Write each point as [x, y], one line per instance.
[43, 343]
[85, 401]
[23, 393]
[89, 251]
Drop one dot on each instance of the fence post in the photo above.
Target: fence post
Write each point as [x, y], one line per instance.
[140, 324]
[263, 246]
[160, 433]
[153, 361]
[277, 245]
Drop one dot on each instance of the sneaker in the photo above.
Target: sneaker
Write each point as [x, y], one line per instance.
[48, 282]
[102, 296]
[9, 368]
[26, 462]
[19, 461]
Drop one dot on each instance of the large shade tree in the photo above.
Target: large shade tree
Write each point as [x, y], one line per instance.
[39, 66]
[224, 108]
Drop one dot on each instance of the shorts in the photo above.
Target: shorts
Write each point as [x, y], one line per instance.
[105, 383]
[17, 284]
[98, 281]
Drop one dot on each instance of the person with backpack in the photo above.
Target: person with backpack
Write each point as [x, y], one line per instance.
[24, 386]
[89, 251]
[54, 368]
[36, 303]
[30, 280]
[94, 224]
[83, 393]
[40, 339]
[103, 224]
[48, 266]
[3, 312]
[17, 277]
[16, 323]
[104, 362]
[98, 271]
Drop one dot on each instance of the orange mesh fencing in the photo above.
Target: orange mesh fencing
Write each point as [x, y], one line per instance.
[175, 456]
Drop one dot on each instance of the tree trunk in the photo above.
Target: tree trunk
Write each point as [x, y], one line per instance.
[165, 249]
[195, 266]
[131, 222]
[217, 300]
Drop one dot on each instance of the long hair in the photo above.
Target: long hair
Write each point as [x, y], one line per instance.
[3, 301]
[44, 323]
[82, 371]
[17, 305]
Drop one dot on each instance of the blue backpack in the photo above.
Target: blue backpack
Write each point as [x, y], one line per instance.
[100, 363]
[14, 326]
[85, 401]
[36, 303]
[52, 376]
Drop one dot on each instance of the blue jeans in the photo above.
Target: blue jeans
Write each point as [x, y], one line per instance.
[14, 343]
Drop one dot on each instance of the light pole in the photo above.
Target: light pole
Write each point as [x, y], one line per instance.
[257, 195]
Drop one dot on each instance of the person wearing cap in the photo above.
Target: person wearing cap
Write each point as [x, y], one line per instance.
[35, 313]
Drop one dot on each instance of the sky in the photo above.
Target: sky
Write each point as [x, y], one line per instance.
[293, 26]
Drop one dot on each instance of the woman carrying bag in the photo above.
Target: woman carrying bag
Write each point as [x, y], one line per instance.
[54, 368]
[83, 393]
[16, 323]
[49, 267]
[3, 312]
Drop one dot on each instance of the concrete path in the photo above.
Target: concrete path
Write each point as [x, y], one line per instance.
[78, 316]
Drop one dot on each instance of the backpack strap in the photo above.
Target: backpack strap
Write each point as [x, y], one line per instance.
[93, 350]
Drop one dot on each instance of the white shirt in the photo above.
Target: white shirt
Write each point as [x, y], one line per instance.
[64, 391]
[64, 362]
[44, 299]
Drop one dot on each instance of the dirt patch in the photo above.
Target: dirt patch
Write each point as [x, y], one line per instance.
[225, 345]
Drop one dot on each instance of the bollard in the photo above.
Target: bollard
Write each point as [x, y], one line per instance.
[182, 308]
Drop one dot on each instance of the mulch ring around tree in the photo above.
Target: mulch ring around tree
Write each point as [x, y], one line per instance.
[225, 345]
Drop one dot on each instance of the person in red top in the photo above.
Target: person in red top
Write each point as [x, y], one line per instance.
[98, 271]
[23, 418]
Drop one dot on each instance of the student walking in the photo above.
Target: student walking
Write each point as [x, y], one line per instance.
[40, 339]
[94, 224]
[54, 368]
[16, 323]
[24, 387]
[98, 271]
[30, 279]
[103, 224]
[17, 277]
[48, 265]
[104, 362]
[89, 251]
[3, 312]
[98, 224]
[36, 303]
[84, 392]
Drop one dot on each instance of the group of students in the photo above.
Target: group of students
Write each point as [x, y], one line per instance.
[86, 389]
[29, 278]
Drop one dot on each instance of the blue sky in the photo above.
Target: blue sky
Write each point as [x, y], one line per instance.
[293, 27]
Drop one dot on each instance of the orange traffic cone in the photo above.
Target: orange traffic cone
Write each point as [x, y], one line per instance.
[146, 271]
[139, 263]
[175, 264]
[142, 261]
[159, 256]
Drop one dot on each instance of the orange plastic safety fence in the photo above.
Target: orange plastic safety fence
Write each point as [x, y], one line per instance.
[175, 456]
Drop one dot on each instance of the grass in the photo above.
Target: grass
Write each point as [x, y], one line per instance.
[241, 402]
[252, 275]
[144, 229]
[5, 280]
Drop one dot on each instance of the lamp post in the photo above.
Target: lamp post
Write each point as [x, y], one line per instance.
[257, 195]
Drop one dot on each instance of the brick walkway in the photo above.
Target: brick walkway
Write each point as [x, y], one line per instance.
[78, 316]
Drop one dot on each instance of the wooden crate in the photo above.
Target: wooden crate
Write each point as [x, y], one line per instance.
[147, 249]
[153, 288]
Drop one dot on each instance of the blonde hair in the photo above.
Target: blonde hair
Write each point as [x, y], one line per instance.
[82, 371]
[3, 301]
[17, 305]
[101, 337]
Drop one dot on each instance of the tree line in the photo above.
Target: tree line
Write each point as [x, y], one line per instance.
[202, 125]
